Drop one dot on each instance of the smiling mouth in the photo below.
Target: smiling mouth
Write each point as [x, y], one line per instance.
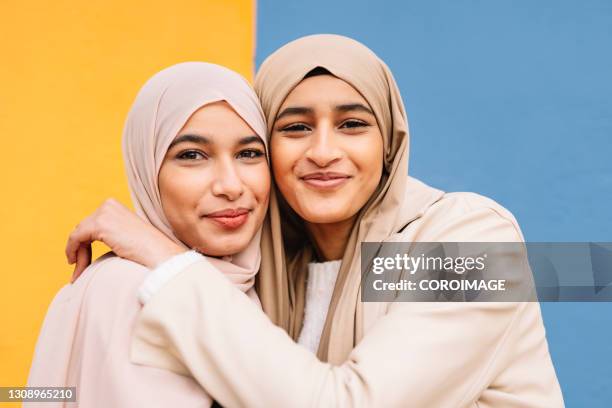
[325, 180]
[231, 218]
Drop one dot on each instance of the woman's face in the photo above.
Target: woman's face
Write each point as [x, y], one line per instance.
[326, 150]
[214, 182]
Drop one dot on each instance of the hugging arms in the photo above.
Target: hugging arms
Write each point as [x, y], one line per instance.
[338, 146]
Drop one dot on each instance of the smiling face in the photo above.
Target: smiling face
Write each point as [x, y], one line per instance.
[214, 182]
[327, 150]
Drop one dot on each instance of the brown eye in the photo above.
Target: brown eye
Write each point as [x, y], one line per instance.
[350, 124]
[297, 127]
[250, 154]
[191, 155]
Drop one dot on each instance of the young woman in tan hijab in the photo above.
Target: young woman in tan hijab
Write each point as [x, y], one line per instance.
[339, 153]
[195, 155]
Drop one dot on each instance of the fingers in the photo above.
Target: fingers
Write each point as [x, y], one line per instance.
[78, 246]
[91, 228]
[83, 260]
[83, 234]
[70, 248]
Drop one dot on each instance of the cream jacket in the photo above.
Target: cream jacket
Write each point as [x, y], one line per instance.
[411, 354]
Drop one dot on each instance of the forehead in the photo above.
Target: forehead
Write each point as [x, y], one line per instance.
[217, 119]
[323, 90]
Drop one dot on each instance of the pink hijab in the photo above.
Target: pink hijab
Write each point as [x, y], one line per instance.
[160, 110]
[84, 341]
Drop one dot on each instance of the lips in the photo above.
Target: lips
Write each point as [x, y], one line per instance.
[325, 180]
[230, 218]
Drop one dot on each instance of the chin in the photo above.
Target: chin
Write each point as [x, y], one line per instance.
[219, 250]
[324, 216]
[223, 245]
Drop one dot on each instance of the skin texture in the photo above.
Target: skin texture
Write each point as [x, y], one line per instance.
[327, 155]
[196, 179]
[323, 127]
[199, 177]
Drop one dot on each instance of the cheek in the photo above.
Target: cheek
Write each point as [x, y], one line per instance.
[367, 156]
[365, 152]
[372, 158]
[180, 189]
[278, 153]
[285, 153]
[257, 179]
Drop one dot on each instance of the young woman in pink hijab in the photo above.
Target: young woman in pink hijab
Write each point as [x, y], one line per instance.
[195, 155]
[339, 146]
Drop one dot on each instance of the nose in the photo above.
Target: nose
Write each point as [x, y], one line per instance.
[323, 150]
[227, 182]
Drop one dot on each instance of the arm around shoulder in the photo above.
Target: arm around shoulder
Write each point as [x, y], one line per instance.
[428, 354]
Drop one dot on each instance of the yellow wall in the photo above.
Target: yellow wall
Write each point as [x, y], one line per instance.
[69, 71]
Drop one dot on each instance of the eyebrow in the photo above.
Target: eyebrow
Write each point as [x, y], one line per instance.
[295, 110]
[250, 139]
[354, 107]
[205, 141]
[301, 110]
[189, 138]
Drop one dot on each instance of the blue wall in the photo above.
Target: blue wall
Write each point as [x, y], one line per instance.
[510, 99]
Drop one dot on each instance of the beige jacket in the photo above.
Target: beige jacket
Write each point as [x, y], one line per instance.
[411, 354]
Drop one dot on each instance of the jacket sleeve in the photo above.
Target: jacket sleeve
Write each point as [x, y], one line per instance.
[418, 354]
[85, 343]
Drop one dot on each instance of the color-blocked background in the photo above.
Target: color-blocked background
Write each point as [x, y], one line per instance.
[70, 70]
[510, 99]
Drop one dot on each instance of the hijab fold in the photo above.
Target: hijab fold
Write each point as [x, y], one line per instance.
[84, 340]
[161, 109]
[282, 280]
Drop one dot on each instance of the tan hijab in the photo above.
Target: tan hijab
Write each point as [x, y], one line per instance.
[160, 110]
[285, 250]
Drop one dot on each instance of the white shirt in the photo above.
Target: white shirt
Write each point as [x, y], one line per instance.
[319, 289]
